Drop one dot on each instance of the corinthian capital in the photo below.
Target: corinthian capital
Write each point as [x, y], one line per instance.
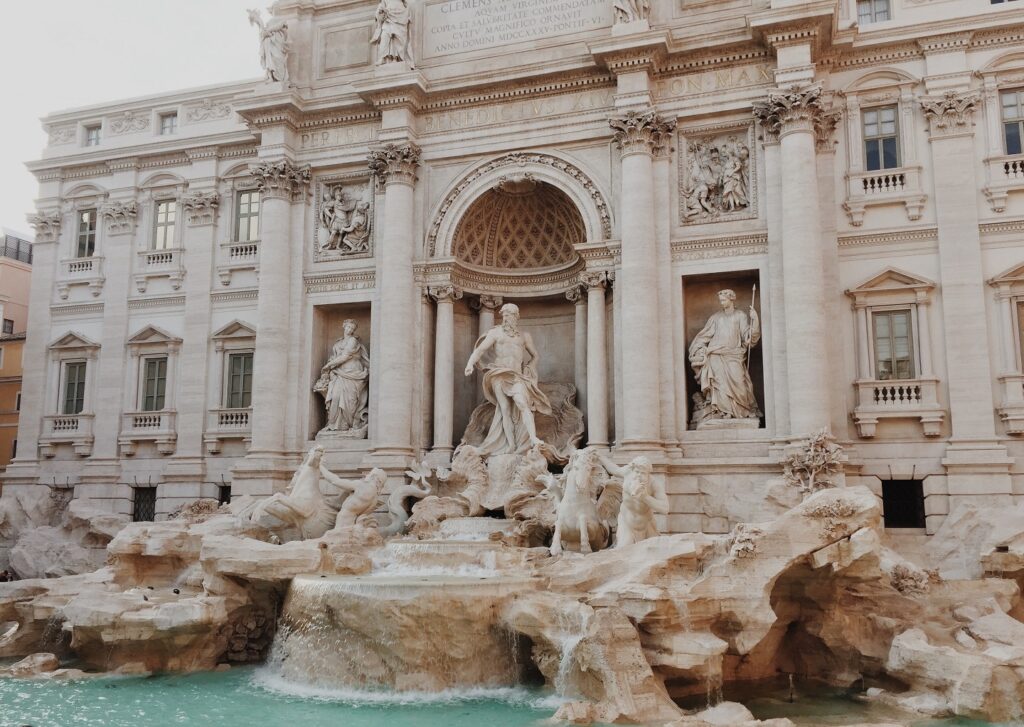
[797, 108]
[951, 113]
[638, 132]
[444, 293]
[280, 179]
[46, 225]
[664, 132]
[201, 207]
[594, 279]
[395, 163]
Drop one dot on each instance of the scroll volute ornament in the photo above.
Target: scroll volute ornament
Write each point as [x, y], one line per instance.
[395, 162]
[281, 179]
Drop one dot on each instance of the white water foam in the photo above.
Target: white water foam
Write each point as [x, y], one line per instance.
[266, 679]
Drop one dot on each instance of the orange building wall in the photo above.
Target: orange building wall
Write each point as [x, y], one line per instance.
[10, 386]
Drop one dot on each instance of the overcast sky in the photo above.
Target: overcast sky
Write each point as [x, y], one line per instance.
[59, 54]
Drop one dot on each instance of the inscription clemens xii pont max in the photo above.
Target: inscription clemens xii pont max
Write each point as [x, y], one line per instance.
[466, 25]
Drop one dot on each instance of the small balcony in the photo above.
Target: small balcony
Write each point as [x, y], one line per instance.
[884, 187]
[1005, 174]
[148, 426]
[239, 256]
[72, 429]
[223, 424]
[1011, 410]
[898, 399]
[80, 271]
[160, 264]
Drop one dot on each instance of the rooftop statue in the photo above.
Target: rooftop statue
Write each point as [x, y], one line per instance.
[510, 383]
[629, 11]
[391, 33]
[273, 46]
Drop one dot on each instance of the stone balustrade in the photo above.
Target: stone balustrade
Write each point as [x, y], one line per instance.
[1011, 410]
[80, 271]
[238, 256]
[223, 424]
[898, 399]
[148, 426]
[1005, 174]
[884, 187]
[73, 429]
[159, 264]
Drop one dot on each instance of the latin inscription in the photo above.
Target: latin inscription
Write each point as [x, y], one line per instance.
[337, 136]
[458, 26]
[518, 111]
[711, 81]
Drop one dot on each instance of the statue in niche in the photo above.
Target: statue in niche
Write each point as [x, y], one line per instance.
[343, 384]
[273, 46]
[642, 497]
[391, 32]
[718, 181]
[510, 383]
[720, 356]
[347, 223]
[629, 11]
[301, 512]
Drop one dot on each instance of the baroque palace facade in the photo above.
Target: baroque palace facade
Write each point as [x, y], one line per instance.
[851, 169]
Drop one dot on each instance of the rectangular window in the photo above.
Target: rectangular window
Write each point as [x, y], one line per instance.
[903, 503]
[247, 217]
[872, 11]
[143, 504]
[239, 389]
[163, 233]
[1013, 120]
[223, 494]
[17, 401]
[893, 348]
[168, 124]
[86, 233]
[74, 387]
[92, 135]
[154, 383]
[881, 145]
[8, 326]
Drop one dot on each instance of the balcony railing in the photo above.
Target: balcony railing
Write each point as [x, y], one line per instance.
[239, 256]
[898, 399]
[222, 424]
[1011, 410]
[159, 264]
[1005, 175]
[884, 187]
[80, 271]
[73, 429]
[148, 426]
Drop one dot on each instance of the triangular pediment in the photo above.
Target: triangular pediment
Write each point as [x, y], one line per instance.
[152, 334]
[891, 279]
[73, 341]
[1012, 275]
[234, 329]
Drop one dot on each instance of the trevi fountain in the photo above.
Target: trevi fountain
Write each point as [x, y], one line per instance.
[576, 428]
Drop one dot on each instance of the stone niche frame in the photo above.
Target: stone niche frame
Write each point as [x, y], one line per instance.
[328, 319]
[731, 133]
[360, 184]
[1008, 288]
[700, 300]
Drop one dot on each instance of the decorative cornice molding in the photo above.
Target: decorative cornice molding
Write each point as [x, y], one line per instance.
[281, 179]
[233, 296]
[68, 310]
[156, 301]
[395, 163]
[952, 113]
[715, 247]
[363, 279]
[924, 234]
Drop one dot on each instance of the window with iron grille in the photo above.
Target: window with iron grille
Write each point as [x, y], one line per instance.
[86, 233]
[74, 387]
[872, 11]
[247, 216]
[894, 357]
[903, 503]
[154, 383]
[239, 389]
[163, 233]
[143, 504]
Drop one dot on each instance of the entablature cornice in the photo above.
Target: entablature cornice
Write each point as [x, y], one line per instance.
[631, 53]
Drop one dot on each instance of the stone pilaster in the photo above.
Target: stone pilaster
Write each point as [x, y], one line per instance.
[794, 115]
[669, 334]
[976, 463]
[444, 365]
[636, 135]
[396, 165]
[577, 295]
[268, 467]
[597, 359]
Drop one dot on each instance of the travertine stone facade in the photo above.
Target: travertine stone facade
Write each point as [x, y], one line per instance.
[608, 167]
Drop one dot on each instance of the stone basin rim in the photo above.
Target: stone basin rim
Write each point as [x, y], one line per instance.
[424, 580]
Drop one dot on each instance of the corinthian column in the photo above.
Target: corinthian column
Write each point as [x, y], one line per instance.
[280, 183]
[635, 135]
[597, 359]
[794, 115]
[396, 164]
[444, 365]
[667, 286]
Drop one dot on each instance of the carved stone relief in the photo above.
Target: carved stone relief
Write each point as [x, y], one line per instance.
[717, 175]
[207, 110]
[128, 122]
[344, 217]
[62, 134]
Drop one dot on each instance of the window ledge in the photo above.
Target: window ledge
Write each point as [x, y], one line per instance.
[148, 426]
[1005, 175]
[160, 264]
[73, 429]
[240, 256]
[898, 399]
[901, 185]
[223, 424]
[80, 271]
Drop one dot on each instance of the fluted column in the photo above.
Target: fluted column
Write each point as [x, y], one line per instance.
[597, 359]
[396, 164]
[281, 183]
[444, 365]
[793, 114]
[578, 297]
[638, 284]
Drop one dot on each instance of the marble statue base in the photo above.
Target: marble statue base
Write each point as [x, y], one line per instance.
[751, 423]
[328, 435]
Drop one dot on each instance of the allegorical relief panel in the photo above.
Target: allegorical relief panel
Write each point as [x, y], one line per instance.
[717, 174]
[344, 217]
